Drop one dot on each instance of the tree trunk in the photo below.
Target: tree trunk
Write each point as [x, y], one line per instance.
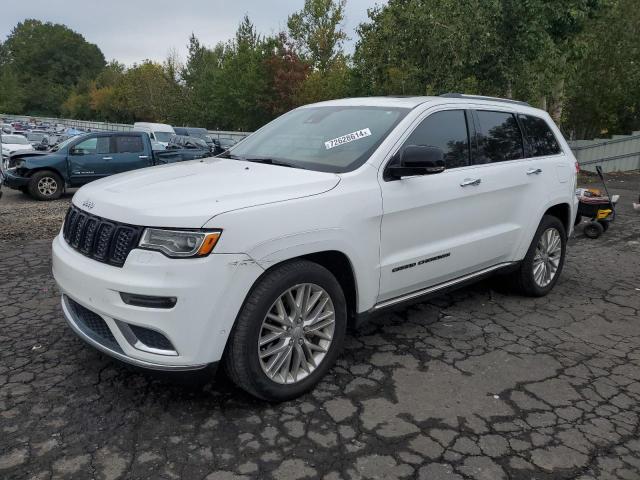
[556, 99]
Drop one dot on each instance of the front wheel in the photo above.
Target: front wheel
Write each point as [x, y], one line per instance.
[289, 332]
[541, 267]
[45, 185]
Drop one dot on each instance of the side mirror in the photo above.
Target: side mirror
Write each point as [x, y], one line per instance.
[418, 160]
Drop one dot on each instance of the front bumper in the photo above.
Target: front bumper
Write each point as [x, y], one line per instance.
[209, 291]
[13, 180]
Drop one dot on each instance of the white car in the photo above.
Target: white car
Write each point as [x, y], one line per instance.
[328, 214]
[158, 132]
[13, 144]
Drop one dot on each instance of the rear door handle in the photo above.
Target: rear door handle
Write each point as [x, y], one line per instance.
[143, 156]
[470, 181]
[107, 158]
[534, 171]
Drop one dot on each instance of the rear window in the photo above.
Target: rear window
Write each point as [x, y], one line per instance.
[540, 138]
[128, 144]
[499, 137]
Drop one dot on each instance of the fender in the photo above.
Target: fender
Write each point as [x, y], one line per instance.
[278, 250]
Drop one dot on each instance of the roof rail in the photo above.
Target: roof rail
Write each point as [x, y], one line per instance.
[480, 97]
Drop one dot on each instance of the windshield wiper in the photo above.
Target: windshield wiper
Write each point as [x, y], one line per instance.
[227, 154]
[272, 161]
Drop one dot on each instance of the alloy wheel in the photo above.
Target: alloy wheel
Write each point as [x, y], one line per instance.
[47, 186]
[547, 257]
[296, 333]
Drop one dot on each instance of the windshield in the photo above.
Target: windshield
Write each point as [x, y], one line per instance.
[328, 139]
[163, 136]
[63, 144]
[14, 139]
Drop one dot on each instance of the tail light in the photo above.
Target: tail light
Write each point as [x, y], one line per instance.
[577, 167]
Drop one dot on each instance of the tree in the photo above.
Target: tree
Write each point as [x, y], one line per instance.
[603, 88]
[49, 60]
[494, 47]
[317, 33]
[286, 72]
[11, 93]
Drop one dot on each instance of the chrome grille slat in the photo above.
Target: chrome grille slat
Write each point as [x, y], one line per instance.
[98, 238]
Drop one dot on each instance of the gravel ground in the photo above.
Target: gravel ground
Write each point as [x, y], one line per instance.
[477, 384]
[23, 219]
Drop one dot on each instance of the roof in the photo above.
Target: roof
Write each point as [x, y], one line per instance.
[414, 101]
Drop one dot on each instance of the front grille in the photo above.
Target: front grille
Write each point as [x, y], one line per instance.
[151, 338]
[103, 240]
[93, 322]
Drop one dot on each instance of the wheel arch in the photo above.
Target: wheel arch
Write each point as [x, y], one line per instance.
[33, 171]
[340, 266]
[562, 211]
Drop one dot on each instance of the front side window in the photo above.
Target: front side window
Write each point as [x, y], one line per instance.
[128, 144]
[499, 137]
[542, 142]
[324, 138]
[446, 130]
[93, 146]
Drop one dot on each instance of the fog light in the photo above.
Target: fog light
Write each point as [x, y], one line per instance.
[147, 301]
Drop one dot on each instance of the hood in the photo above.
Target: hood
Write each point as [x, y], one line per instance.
[188, 194]
[15, 147]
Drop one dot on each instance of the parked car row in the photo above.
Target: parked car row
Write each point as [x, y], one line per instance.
[82, 159]
[42, 160]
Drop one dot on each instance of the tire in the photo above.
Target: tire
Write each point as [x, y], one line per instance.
[605, 224]
[246, 363]
[524, 278]
[593, 229]
[45, 185]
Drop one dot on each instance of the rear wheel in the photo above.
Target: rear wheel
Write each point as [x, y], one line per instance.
[541, 267]
[593, 229]
[45, 185]
[288, 333]
[605, 224]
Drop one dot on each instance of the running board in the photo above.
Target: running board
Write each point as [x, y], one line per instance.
[438, 287]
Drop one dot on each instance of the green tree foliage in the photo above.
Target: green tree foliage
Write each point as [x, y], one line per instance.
[11, 93]
[509, 48]
[48, 60]
[317, 33]
[604, 86]
[579, 59]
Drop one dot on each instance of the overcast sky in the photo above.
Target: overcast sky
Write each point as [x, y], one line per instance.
[132, 30]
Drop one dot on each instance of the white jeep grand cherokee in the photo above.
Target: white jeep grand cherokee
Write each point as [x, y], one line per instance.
[260, 258]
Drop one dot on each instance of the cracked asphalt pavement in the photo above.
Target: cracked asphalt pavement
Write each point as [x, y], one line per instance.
[477, 384]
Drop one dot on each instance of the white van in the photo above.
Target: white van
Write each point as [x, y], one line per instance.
[160, 132]
[335, 211]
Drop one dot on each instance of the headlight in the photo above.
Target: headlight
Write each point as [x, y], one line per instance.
[180, 243]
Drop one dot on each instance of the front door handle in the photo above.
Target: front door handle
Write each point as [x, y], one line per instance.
[143, 157]
[534, 171]
[470, 181]
[107, 158]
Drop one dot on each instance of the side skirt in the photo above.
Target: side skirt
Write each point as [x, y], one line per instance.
[430, 292]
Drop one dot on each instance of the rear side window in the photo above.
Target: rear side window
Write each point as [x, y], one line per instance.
[128, 144]
[499, 137]
[541, 140]
[448, 131]
[103, 146]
